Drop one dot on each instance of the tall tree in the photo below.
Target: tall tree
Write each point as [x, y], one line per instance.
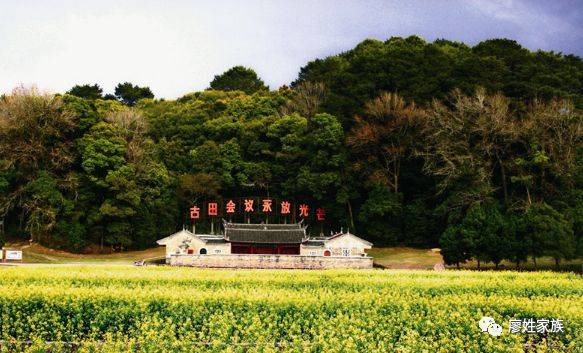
[493, 241]
[36, 155]
[383, 136]
[129, 94]
[87, 91]
[457, 245]
[550, 135]
[127, 183]
[481, 235]
[466, 141]
[238, 78]
[548, 233]
[306, 99]
[380, 142]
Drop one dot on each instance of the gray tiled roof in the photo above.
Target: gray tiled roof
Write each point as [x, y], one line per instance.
[312, 242]
[263, 226]
[265, 233]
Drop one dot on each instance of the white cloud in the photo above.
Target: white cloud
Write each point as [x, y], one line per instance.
[177, 47]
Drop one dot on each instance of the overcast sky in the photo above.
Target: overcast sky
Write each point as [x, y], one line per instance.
[178, 46]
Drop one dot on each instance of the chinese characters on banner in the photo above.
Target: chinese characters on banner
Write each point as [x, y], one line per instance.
[247, 206]
[267, 206]
[230, 207]
[194, 213]
[213, 209]
[304, 210]
[285, 208]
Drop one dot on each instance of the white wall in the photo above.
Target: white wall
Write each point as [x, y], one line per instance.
[174, 243]
[348, 242]
[311, 250]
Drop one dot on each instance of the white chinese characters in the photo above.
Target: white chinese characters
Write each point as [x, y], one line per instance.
[525, 326]
[542, 326]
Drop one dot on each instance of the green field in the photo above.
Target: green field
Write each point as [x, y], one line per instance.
[164, 309]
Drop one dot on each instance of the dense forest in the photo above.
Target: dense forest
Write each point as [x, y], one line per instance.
[477, 150]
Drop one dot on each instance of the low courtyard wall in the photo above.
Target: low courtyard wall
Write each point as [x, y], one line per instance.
[269, 261]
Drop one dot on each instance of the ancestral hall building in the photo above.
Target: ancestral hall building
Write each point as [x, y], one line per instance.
[266, 246]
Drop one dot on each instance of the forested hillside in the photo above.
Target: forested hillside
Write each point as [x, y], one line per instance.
[477, 150]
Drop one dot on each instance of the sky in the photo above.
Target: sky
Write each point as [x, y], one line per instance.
[178, 46]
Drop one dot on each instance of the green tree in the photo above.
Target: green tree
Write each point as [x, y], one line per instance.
[130, 94]
[87, 91]
[480, 235]
[238, 78]
[222, 162]
[43, 202]
[126, 182]
[457, 245]
[84, 111]
[71, 235]
[549, 136]
[380, 143]
[518, 248]
[36, 157]
[421, 227]
[376, 214]
[321, 147]
[548, 233]
[421, 71]
[492, 240]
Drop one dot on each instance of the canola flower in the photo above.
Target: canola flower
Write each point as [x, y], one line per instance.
[164, 309]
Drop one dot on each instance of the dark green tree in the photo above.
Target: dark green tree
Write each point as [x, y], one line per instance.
[548, 233]
[457, 245]
[421, 71]
[518, 246]
[125, 181]
[129, 94]
[45, 203]
[221, 162]
[84, 112]
[238, 78]
[377, 215]
[36, 158]
[493, 240]
[87, 91]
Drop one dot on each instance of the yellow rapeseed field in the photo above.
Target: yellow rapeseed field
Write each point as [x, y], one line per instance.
[163, 309]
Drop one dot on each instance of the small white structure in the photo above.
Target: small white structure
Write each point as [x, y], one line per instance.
[10, 255]
[340, 244]
[185, 242]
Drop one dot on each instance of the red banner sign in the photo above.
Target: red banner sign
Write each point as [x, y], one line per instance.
[258, 207]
